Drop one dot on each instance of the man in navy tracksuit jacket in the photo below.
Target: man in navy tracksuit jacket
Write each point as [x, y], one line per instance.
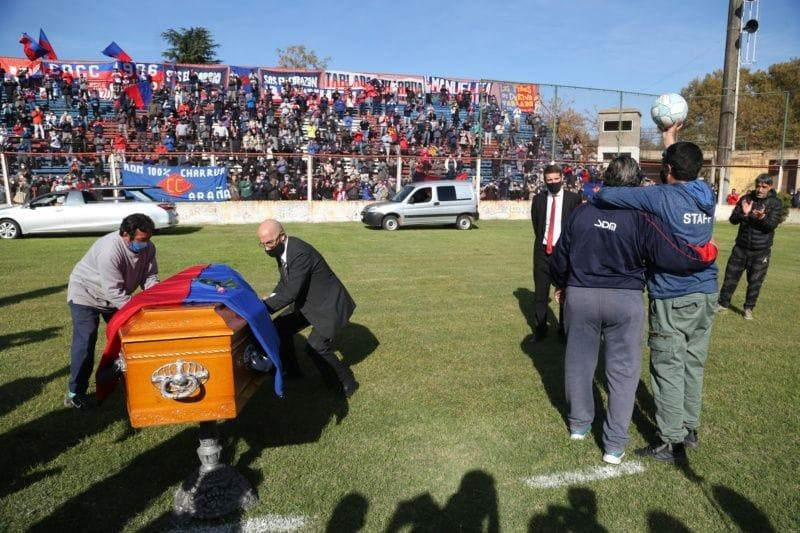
[602, 258]
[681, 306]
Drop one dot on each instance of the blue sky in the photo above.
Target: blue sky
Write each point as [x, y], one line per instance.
[650, 46]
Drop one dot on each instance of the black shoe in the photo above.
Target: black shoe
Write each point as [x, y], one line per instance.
[540, 334]
[691, 440]
[350, 389]
[664, 451]
[78, 401]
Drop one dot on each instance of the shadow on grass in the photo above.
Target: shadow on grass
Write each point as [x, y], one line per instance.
[30, 336]
[547, 355]
[30, 295]
[742, 511]
[21, 390]
[109, 504]
[472, 508]
[350, 514]
[44, 439]
[356, 343]
[658, 522]
[579, 515]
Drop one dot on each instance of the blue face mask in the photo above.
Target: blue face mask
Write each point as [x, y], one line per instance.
[137, 246]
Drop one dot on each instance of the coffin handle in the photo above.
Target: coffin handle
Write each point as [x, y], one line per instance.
[180, 379]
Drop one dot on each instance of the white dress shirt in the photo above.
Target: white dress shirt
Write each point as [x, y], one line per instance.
[559, 208]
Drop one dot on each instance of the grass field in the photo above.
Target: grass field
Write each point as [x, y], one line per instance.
[456, 408]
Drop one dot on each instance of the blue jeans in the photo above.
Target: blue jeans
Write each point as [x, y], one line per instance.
[85, 321]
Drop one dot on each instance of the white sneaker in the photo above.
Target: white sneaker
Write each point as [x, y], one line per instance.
[748, 314]
[613, 458]
[719, 308]
[578, 434]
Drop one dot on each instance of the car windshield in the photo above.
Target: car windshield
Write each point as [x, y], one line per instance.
[402, 195]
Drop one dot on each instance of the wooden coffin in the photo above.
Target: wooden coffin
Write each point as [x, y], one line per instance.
[185, 363]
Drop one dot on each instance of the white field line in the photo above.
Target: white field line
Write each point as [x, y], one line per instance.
[596, 473]
[259, 524]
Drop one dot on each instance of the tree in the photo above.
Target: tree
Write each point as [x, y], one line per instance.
[760, 110]
[297, 56]
[190, 45]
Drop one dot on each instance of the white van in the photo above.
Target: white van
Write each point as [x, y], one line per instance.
[426, 203]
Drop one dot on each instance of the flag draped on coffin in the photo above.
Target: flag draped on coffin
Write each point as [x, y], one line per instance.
[214, 283]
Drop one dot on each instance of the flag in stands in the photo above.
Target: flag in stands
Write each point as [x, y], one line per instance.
[113, 50]
[45, 43]
[32, 49]
[141, 93]
[244, 75]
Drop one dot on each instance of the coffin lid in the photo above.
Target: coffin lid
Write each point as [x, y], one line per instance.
[181, 321]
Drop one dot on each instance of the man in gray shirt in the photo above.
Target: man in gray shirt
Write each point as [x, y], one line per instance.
[99, 285]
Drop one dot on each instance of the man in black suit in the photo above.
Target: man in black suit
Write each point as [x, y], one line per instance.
[549, 213]
[318, 299]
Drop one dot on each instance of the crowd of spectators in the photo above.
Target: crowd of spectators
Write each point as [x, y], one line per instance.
[355, 135]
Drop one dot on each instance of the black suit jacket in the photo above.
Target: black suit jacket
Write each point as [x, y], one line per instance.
[310, 284]
[539, 212]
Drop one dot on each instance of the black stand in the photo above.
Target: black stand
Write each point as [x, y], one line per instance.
[216, 489]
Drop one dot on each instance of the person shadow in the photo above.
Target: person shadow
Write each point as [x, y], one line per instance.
[31, 336]
[579, 515]
[350, 514]
[356, 342]
[36, 293]
[660, 522]
[21, 390]
[32, 443]
[473, 507]
[547, 356]
[742, 511]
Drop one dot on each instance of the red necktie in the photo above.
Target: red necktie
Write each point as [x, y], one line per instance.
[549, 248]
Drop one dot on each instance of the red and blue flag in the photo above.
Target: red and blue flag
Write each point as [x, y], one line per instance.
[45, 43]
[141, 93]
[244, 74]
[113, 50]
[32, 49]
[214, 283]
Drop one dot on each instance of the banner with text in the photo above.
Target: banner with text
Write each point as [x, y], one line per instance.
[522, 95]
[434, 84]
[99, 74]
[179, 184]
[398, 83]
[216, 75]
[275, 78]
[12, 65]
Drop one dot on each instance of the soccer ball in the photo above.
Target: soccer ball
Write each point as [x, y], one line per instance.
[668, 109]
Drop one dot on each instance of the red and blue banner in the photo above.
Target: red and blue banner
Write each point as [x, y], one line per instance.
[99, 75]
[140, 93]
[13, 66]
[179, 184]
[214, 283]
[434, 85]
[245, 74]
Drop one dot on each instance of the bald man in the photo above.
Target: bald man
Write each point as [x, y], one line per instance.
[317, 298]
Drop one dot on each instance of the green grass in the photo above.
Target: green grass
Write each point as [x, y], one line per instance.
[454, 410]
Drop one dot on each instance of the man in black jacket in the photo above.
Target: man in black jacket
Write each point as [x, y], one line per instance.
[549, 213]
[318, 299]
[758, 213]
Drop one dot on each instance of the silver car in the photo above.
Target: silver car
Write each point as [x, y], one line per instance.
[426, 203]
[85, 211]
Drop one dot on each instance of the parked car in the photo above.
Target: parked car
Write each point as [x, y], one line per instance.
[426, 203]
[84, 211]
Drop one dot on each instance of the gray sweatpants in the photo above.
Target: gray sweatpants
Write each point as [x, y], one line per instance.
[618, 315]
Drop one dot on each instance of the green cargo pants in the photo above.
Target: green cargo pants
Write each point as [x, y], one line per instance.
[680, 330]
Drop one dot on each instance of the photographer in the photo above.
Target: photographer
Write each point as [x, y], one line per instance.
[757, 213]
